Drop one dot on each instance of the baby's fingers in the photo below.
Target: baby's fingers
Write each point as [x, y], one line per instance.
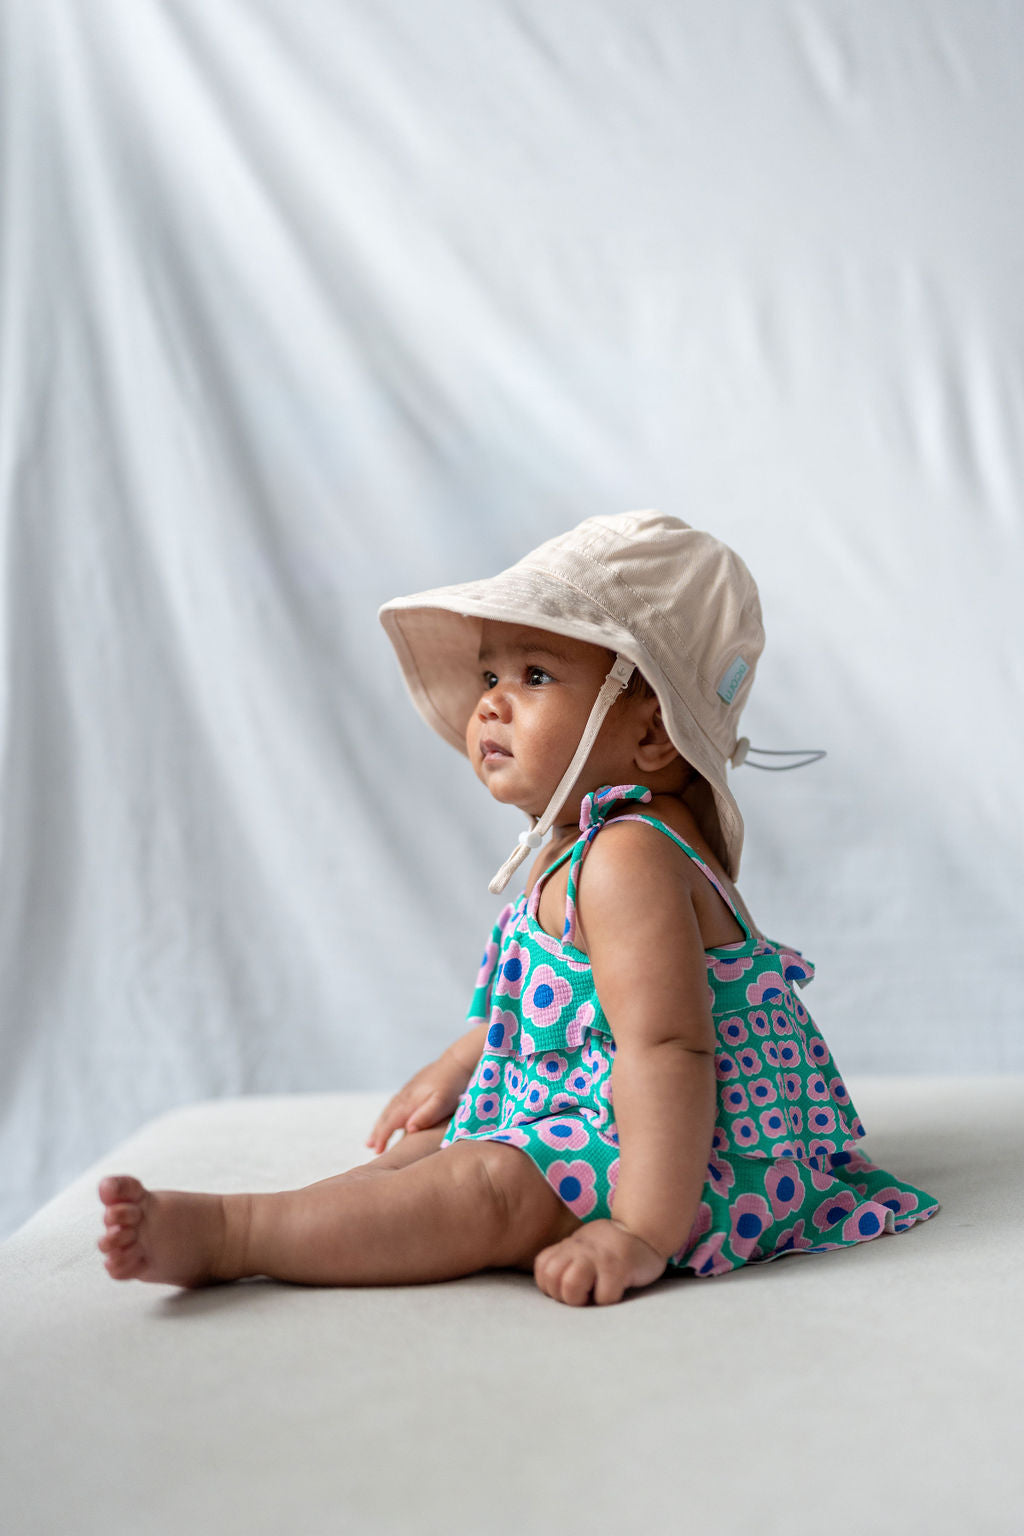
[565, 1276]
[391, 1117]
[426, 1114]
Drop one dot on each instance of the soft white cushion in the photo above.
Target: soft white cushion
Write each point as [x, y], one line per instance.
[866, 1391]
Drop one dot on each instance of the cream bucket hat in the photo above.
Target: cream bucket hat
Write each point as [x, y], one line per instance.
[666, 598]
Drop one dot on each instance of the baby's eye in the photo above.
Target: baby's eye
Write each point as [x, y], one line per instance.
[536, 677]
[490, 680]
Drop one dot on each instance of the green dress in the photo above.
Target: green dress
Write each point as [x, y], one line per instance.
[784, 1175]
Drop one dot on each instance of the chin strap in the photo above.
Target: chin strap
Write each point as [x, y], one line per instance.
[617, 679]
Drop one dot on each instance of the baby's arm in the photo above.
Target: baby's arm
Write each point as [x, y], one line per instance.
[432, 1095]
[641, 931]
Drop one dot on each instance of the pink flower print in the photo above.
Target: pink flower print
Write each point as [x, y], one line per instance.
[799, 1011]
[552, 1066]
[792, 1085]
[545, 941]
[856, 1127]
[751, 1215]
[701, 1224]
[817, 1087]
[768, 988]
[595, 1060]
[513, 1135]
[562, 1101]
[785, 1188]
[545, 997]
[749, 1060]
[579, 1024]
[729, 970]
[488, 1074]
[799, 1150]
[464, 1111]
[512, 972]
[500, 1031]
[733, 1032]
[744, 1132]
[821, 1178]
[822, 1152]
[773, 1122]
[781, 1022]
[868, 1221]
[795, 1116]
[721, 1174]
[771, 1053]
[734, 1098]
[900, 1201]
[535, 1098]
[708, 1259]
[577, 1081]
[834, 1208]
[515, 1080]
[794, 967]
[788, 1054]
[527, 1045]
[574, 1184]
[758, 1021]
[821, 1119]
[719, 1140]
[569, 1133]
[762, 1090]
[837, 1088]
[793, 1240]
[818, 1053]
[725, 1067]
[613, 1181]
[487, 1106]
[487, 964]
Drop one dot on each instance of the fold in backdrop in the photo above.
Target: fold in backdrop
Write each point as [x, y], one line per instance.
[306, 305]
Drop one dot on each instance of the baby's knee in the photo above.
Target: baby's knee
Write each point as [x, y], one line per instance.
[521, 1210]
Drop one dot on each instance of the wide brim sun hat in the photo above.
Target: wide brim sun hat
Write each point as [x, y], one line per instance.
[669, 599]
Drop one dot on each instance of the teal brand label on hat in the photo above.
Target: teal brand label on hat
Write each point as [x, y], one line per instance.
[726, 689]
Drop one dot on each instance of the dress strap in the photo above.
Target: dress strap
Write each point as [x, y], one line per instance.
[594, 817]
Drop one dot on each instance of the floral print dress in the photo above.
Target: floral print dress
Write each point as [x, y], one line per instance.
[784, 1175]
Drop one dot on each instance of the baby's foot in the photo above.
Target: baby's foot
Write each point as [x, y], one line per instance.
[163, 1235]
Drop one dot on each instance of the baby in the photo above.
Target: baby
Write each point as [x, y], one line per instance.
[640, 1088]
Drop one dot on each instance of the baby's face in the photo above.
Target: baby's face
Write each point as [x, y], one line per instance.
[536, 693]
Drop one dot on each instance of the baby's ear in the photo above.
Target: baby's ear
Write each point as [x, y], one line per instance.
[655, 748]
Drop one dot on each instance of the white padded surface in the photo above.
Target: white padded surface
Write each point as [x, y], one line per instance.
[871, 1390]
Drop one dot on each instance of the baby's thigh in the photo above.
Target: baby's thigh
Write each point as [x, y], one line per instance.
[531, 1215]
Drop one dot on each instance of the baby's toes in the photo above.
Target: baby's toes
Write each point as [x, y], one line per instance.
[122, 1215]
[120, 1187]
[118, 1240]
[124, 1263]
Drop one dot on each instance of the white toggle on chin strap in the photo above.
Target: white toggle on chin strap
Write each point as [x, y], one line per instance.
[807, 755]
[620, 674]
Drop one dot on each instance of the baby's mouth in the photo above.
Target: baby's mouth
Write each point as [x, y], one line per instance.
[493, 751]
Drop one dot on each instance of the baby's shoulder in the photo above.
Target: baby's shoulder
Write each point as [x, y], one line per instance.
[644, 858]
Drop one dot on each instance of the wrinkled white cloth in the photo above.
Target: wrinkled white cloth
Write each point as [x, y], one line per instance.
[305, 306]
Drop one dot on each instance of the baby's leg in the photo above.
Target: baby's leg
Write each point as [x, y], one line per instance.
[471, 1206]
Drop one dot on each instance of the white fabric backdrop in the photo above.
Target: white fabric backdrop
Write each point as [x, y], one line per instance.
[307, 304]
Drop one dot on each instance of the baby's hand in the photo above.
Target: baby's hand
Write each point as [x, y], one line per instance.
[427, 1099]
[601, 1259]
